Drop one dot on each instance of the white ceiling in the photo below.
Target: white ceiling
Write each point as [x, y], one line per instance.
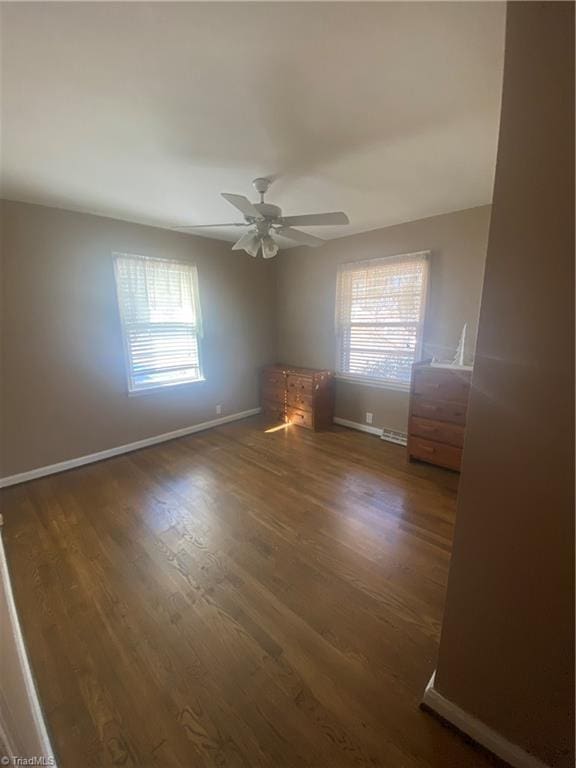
[147, 111]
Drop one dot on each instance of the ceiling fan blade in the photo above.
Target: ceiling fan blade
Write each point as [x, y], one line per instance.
[316, 219]
[249, 242]
[300, 237]
[243, 204]
[205, 226]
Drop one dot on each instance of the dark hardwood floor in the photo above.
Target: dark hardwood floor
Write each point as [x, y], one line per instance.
[238, 598]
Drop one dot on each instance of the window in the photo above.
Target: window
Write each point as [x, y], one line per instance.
[379, 317]
[161, 321]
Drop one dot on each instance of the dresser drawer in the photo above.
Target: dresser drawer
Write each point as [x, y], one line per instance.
[273, 409]
[439, 431]
[301, 384]
[436, 453]
[298, 399]
[301, 418]
[439, 410]
[272, 377]
[442, 385]
[274, 392]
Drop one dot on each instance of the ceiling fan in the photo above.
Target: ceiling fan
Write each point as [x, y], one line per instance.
[265, 220]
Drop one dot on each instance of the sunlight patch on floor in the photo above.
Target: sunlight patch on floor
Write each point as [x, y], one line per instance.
[279, 427]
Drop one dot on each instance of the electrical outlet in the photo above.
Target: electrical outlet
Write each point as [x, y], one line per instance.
[218, 409]
[369, 417]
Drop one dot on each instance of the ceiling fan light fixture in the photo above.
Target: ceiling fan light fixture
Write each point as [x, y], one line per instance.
[253, 248]
[249, 242]
[269, 247]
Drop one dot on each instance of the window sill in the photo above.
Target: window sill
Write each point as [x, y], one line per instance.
[374, 383]
[159, 387]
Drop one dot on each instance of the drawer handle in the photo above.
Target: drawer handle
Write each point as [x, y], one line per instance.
[426, 428]
[428, 449]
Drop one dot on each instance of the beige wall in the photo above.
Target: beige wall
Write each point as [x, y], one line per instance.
[64, 387]
[507, 648]
[306, 294]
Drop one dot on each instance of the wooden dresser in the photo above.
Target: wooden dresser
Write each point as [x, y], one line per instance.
[302, 396]
[437, 419]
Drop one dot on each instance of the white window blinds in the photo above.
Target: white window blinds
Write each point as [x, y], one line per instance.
[161, 320]
[379, 317]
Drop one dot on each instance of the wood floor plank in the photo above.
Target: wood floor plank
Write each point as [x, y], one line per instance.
[238, 598]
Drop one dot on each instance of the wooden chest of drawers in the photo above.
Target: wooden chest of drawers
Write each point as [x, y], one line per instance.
[302, 396]
[437, 418]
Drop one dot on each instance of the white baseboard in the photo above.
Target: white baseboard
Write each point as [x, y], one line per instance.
[21, 721]
[356, 425]
[390, 435]
[62, 466]
[477, 730]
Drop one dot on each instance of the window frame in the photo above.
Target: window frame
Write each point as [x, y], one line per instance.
[373, 381]
[152, 388]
